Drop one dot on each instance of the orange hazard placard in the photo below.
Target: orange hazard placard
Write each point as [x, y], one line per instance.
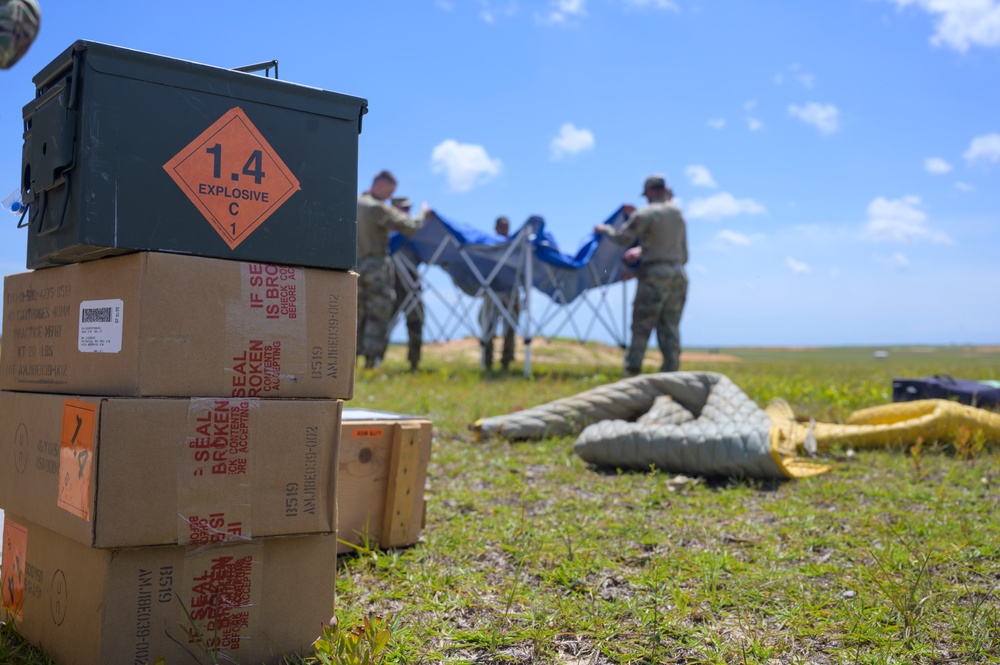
[233, 175]
[15, 553]
[76, 457]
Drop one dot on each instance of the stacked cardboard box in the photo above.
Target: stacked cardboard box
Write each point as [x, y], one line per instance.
[247, 601]
[173, 424]
[171, 384]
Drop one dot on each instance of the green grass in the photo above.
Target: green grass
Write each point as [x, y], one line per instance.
[531, 556]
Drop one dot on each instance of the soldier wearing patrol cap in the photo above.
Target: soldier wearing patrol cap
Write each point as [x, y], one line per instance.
[660, 255]
[408, 289]
[376, 218]
[19, 24]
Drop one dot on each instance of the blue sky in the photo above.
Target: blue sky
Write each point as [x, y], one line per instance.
[838, 162]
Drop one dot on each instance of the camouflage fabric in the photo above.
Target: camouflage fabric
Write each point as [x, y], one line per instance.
[410, 298]
[376, 220]
[19, 24]
[659, 302]
[489, 317]
[375, 307]
[659, 228]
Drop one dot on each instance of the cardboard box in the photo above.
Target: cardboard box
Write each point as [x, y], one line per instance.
[120, 472]
[380, 483]
[167, 325]
[251, 601]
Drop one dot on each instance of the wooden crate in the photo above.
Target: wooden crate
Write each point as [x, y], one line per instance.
[381, 478]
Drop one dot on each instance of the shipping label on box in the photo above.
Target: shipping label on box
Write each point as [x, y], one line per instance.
[253, 602]
[120, 472]
[383, 470]
[165, 325]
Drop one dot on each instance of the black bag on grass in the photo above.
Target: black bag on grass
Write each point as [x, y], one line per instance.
[966, 391]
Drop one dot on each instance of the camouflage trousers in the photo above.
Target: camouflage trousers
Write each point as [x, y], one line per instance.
[489, 317]
[375, 306]
[410, 299]
[659, 302]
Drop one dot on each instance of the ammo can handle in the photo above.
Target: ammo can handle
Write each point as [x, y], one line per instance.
[69, 129]
[62, 214]
[266, 66]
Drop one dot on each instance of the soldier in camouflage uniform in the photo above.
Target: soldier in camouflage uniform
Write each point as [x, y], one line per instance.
[19, 24]
[489, 314]
[659, 299]
[408, 292]
[375, 293]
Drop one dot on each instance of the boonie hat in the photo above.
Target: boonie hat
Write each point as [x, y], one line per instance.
[654, 181]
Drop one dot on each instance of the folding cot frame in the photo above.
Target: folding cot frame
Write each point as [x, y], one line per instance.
[559, 311]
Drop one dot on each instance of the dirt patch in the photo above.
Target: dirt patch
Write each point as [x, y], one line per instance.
[549, 350]
[708, 358]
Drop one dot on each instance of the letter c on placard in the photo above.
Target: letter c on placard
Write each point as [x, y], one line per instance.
[234, 208]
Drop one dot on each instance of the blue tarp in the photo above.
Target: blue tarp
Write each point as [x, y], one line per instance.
[562, 277]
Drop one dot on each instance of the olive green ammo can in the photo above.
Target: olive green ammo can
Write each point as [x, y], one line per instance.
[127, 151]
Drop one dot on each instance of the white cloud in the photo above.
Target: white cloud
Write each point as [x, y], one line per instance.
[564, 10]
[936, 165]
[804, 78]
[465, 165]
[985, 148]
[733, 238]
[825, 117]
[754, 124]
[654, 4]
[446, 5]
[797, 267]
[716, 123]
[749, 105]
[570, 141]
[699, 268]
[494, 9]
[961, 23]
[896, 260]
[722, 205]
[700, 176]
[901, 220]
[965, 187]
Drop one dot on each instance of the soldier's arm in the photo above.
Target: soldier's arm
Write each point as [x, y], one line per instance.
[397, 220]
[629, 231]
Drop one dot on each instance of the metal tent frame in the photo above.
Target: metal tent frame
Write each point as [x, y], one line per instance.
[532, 276]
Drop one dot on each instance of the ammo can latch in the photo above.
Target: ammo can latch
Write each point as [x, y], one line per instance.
[50, 156]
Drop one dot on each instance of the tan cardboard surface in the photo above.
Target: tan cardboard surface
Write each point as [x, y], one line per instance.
[163, 471]
[366, 481]
[168, 325]
[249, 601]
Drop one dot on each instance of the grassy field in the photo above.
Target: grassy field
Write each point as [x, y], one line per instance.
[531, 556]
